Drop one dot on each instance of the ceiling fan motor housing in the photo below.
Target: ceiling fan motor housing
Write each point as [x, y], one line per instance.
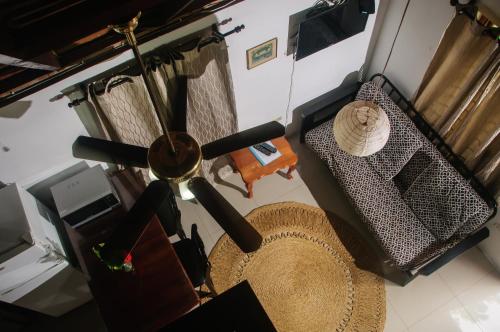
[179, 166]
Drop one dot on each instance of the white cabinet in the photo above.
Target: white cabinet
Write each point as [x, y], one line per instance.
[14, 227]
[34, 272]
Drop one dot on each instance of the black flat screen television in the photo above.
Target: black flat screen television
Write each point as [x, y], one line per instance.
[319, 30]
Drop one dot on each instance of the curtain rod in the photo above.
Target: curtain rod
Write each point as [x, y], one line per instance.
[170, 52]
[470, 10]
[31, 86]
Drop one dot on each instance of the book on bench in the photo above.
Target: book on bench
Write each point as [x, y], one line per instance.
[262, 158]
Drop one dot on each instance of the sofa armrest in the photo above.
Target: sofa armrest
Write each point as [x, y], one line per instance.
[325, 107]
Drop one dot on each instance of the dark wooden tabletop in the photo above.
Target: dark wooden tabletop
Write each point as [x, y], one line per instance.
[235, 310]
[156, 293]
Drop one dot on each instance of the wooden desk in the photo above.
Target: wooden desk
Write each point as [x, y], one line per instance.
[237, 309]
[156, 293]
[251, 170]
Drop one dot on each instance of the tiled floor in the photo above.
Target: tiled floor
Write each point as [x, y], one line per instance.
[462, 296]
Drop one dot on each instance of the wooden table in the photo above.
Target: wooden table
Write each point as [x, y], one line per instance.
[237, 309]
[251, 169]
[156, 293]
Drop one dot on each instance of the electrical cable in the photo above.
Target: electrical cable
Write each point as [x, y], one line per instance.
[381, 79]
[290, 90]
[396, 37]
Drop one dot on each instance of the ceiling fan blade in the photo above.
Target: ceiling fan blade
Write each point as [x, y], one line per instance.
[110, 152]
[242, 139]
[128, 231]
[233, 223]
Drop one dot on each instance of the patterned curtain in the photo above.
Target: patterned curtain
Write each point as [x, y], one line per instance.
[127, 114]
[460, 98]
[211, 112]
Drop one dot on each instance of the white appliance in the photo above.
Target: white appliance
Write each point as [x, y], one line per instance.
[34, 272]
[84, 196]
[14, 228]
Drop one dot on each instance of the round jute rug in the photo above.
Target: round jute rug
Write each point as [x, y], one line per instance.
[303, 275]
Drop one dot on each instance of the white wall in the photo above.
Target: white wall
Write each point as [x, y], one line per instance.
[262, 93]
[421, 31]
[40, 141]
[386, 26]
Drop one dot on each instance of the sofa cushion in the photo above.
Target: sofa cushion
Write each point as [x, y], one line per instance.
[402, 143]
[439, 199]
[370, 91]
[409, 173]
[399, 149]
[380, 204]
[400, 233]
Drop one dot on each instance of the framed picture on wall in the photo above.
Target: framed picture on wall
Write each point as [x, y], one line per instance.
[262, 53]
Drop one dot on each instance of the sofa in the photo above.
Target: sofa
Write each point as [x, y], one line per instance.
[415, 203]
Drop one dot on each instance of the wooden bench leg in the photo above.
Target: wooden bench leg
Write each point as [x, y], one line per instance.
[289, 173]
[233, 166]
[249, 189]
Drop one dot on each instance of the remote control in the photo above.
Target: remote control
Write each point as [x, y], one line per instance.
[258, 147]
[269, 147]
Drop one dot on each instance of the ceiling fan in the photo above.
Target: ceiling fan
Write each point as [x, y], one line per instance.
[174, 157]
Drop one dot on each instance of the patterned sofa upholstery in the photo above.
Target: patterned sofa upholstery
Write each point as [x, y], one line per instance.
[412, 200]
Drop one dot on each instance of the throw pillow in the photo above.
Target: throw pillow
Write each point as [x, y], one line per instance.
[402, 143]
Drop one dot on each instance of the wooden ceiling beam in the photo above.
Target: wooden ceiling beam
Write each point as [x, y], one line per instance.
[84, 45]
[64, 27]
[47, 62]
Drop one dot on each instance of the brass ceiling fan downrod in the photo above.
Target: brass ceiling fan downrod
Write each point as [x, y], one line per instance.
[174, 156]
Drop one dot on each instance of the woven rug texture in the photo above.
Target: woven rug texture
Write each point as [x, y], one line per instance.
[303, 275]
